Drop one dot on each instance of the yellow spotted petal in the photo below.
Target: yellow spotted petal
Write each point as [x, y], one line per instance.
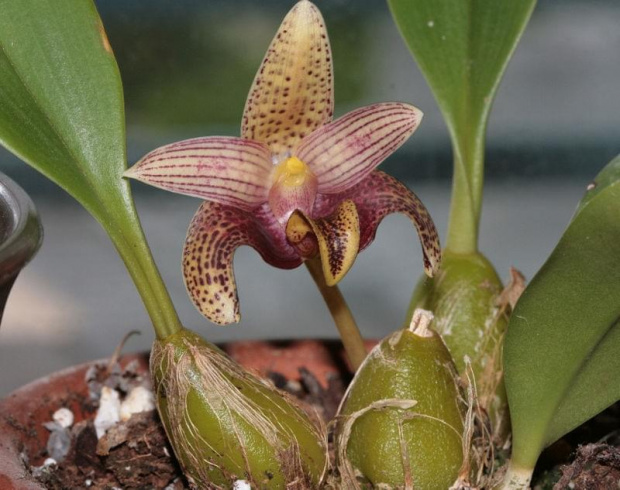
[337, 237]
[292, 93]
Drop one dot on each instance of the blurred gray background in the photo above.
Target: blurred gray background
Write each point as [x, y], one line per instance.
[187, 67]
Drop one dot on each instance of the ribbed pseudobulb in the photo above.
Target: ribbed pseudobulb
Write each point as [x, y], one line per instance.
[226, 425]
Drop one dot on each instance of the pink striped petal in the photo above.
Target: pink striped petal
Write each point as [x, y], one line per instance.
[345, 151]
[231, 171]
[215, 232]
[377, 196]
[292, 93]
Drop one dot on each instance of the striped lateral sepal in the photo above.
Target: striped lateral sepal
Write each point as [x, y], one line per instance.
[379, 195]
[215, 233]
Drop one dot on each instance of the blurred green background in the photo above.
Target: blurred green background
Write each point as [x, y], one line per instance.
[187, 66]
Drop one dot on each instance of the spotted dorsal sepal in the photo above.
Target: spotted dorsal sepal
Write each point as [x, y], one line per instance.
[292, 94]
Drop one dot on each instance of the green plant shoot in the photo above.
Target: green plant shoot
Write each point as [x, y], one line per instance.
[463, 48]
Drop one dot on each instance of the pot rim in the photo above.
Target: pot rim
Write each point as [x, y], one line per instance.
[25, 232]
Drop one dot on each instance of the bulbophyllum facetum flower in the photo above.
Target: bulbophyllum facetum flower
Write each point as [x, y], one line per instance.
[295, 184]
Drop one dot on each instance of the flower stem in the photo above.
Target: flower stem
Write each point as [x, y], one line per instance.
[343, 318]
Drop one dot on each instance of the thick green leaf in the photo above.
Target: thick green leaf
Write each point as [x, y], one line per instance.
[561, 353]
[600, 372]
[61, 99]
[462, 48]
[61, 111]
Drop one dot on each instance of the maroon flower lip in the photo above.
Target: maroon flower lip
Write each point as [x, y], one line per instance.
[295, 184]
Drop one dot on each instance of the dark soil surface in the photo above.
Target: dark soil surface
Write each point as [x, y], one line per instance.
[595, 466]
[139, 457]
[135, 454]
[587, 458]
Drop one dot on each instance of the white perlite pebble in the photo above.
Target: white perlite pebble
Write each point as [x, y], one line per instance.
[109, 412]
[241, 485]
[63, 417]
[140, 399]
[49, 462]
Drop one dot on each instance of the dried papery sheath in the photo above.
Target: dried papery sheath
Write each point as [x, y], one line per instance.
[226, 425]
[400, 424]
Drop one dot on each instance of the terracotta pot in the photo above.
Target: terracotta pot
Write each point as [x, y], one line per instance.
[23, 413]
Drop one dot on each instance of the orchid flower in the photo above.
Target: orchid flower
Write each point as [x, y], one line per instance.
[295, 185]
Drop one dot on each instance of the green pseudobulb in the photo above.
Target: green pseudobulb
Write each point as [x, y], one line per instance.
[226, 425]
[463, 296]
[401, 422]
